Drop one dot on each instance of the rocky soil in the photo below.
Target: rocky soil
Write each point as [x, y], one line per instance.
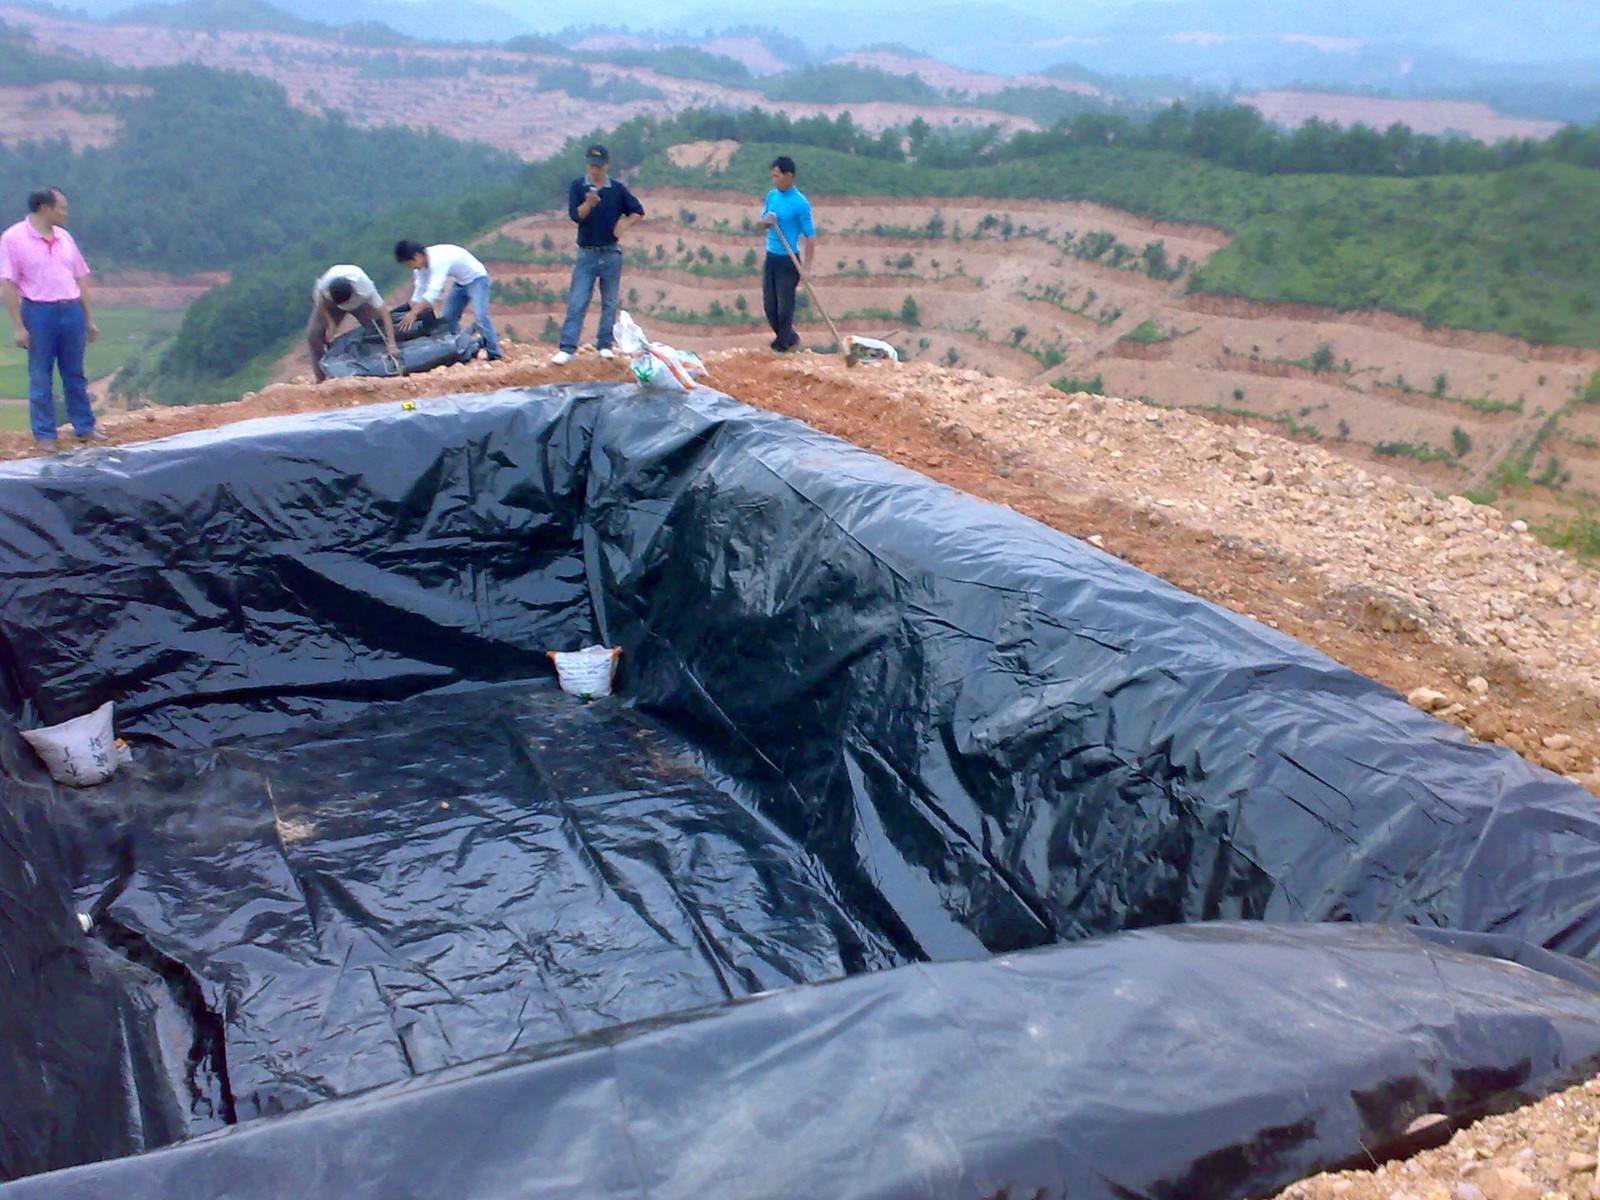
[1546, 1151]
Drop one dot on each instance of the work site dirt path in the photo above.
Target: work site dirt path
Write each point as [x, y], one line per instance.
[1448, 602]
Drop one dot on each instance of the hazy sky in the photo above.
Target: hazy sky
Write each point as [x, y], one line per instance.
[1416, 46]
[1491, 30]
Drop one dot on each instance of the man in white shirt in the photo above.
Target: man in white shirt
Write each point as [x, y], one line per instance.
[339, 290]
[452, 274]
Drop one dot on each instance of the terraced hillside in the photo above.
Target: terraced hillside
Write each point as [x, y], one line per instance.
[1090, 298]
[518, 101]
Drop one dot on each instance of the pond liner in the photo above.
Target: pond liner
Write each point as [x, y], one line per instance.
[932, 729]
[427, 344]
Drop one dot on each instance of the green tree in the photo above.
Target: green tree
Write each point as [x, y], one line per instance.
[909, 314]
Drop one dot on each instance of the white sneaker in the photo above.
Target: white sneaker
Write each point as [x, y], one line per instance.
[560, 358]
[607, 353]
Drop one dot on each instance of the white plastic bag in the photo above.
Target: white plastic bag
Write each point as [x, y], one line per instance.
[656, 364]
[662, 366]
[588, 672]
[870, 350]
[83, 751]
[630, 339]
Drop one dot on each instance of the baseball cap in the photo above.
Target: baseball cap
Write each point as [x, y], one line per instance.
[597, 154]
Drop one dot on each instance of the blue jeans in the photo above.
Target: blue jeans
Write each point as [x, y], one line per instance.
[594, 262]
[57, 335]
[456, 302]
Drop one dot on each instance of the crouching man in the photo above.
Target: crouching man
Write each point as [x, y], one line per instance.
[339, 291]
[446, 278]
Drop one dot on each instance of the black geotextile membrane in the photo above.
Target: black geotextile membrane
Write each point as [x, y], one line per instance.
[429, 343]
[1213, 1060]
[454, 877]
[864, 721]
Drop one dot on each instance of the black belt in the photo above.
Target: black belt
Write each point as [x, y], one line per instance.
[74, 300]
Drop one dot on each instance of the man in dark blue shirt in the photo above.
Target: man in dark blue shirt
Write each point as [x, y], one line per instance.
[604, 210]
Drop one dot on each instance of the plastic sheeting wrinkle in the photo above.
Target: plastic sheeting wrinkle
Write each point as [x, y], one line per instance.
[1068, 1145]
[821, 510]
[210, 1042]
[1321, 818]
[604, 873]
[540, 958]
[924, 801]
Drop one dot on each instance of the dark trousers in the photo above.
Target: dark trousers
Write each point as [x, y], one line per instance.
[58, 333]
[778, 283]
[317, 333]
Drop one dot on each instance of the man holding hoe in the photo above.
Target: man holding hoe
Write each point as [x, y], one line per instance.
[787, 216]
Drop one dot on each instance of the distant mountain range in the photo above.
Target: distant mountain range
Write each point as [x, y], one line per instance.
[1527, 61]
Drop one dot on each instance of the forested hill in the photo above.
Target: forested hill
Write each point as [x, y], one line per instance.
[214, 170]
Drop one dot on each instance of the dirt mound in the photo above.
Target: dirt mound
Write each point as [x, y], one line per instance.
[710, 156]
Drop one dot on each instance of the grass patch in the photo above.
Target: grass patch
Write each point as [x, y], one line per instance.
[1481, 404]
[717, 314]
[1149, 333]
[1095, 386]
[1579, 533]
[1056, 298]
[1320, 360]
[501, 248]
[1420, 451]
[1515, 469]
[524, 291]
[1485, 405]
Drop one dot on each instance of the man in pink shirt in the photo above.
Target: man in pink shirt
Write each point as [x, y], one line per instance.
[46, 287]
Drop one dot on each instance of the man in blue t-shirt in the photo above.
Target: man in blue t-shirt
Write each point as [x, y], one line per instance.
[786, 209]
[603, 208]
